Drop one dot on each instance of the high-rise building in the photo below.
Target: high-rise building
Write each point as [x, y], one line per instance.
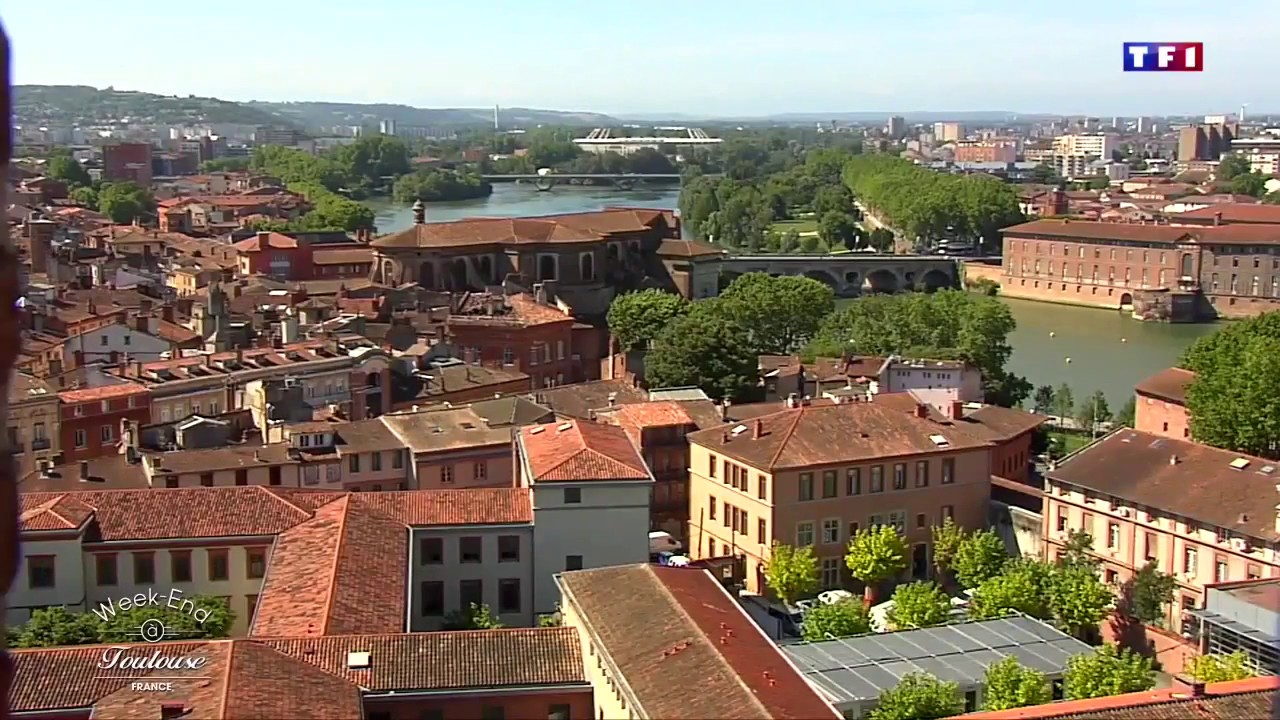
[387, 127]
[945, 132]
[129, 162]
[1072, 154]
[1206, 142]
[1144, 125]
[896, 127]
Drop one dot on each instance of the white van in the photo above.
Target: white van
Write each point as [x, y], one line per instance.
[660, 542]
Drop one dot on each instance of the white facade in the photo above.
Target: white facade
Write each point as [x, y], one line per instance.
[491, 563]
[99, 344]
[905, 375]
[585, 525]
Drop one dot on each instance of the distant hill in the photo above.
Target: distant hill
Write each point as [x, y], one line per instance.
[327, 114]
[67, 104]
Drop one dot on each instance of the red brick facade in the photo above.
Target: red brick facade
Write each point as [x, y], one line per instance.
[92, 419]
[1162, 417]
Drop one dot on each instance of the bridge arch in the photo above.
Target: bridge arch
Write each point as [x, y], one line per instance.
[427, 275]
[852, 277]
[935, 280]
[882, 281]
[822, 276]
[485, 268]
[1126, 301]
[458, 274]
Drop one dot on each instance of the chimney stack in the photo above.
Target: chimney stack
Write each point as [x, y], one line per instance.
[922, 410]
[1185, 684]
[757, 430]
[793, 400]
[419, 213]
[1173, 459]
[724, 409]
[957, 410]
[84, 471]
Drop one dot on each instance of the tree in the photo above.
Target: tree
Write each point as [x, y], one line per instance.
[1042, 401]
[1234, 400]
[476, 617]
[791, 572]
[1010, 685]
[1252, 183]
[946, 542]
[919, 696]
[550, 620]
[1022, 587]
[1106, 671]
[55, 626]
[85, 196]
[435, 185]
[1064, 402]
[637, 318]
[1078, 549]
[1079, 599]
[838, 229]
[918, 605]
[66, 168]
[1128, 413]
[704, 349]
[979, 556]
[836, 620]
[1221, 668]
[881, 240]
[123, 626]
[1232, 166]
[780, 313]
[124, 202]
[1093, 411]
[1150, 592]
[876, 554]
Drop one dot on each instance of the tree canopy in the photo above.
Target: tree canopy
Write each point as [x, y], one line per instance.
[55, 626]
[1010, 685]
[1149, 593]
[636, 319]
[979, 556]
[703, 349]
[948, 324]
[836, 620]
[434, 185]
[876, 554]
[791, 572]
[125, 202]
[476, 617]
[1069, 594]
[781, 314]
[1214, 668]
[62, 166]
[1108, 670]
[1234, 401]
[919, 696]
[918, 605]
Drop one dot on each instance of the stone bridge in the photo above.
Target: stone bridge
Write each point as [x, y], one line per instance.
[854, 273]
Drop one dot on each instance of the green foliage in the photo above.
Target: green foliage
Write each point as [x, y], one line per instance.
[946, 542]
[229, 164]
[477, 617]
[353, 169]
[780, 313]
[918, 605]
[124, 202]
[85, 197]
[881, 240]
[791, 572]
[1093, 411]
[1009, 685]
[920, 202]
[1064, 402]
[550, 620]
[942, 325]
[983, 286]
[838, 229]
[1078, 549]
[436, 185]
[1234, 401]
[839, 619]
[1221, 668]
[53, 627]
[1127, 415]
[704, 349]
[1231, 167]
[978, 557]
[1023, 586]
[89, 106]
[919, 696]
[1107, 671]
[1253, 183]
[637, 318]
[876, 554]
[1079, 599]
[66, 168]
[1149, 593]
[1042, 399]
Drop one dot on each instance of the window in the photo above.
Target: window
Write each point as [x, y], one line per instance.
[572, 562]
[1220, 570]
[1189, 561]
[829, 486]
[256, 563]
[446, 474]
[1253, 572]
[179, 566]
[1113, 536]
[573, 496]
[273, 475]
[853, 529]
[82, 439]
[470, 592]
[804, 534]
[242, 477]
[948, 470]
[711, 509]
[1062, 520]
[711, 466]
[1149, 540]
[509, 595]
[432, 598]
[469, 549]
[830, 572]
[40, 571]
[853, 481]
[105, 565]
[898, 519]
[218, 569]
[762, 487]
[877, 478]
[921, 520]
[353, 463]
[480, 471]
[558, 712]
[806, 486]
[830, 531]
[948, 511]
[508, 356]
[922, 473]
[144, 568]
[762, 531]
[108, 434]
[509, 548]
[899, 476]
[206, 479]
[431, 550]
[397, 460]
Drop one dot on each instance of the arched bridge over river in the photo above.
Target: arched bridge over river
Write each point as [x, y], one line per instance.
[854, 273]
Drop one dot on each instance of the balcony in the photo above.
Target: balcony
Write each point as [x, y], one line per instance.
[41, 444]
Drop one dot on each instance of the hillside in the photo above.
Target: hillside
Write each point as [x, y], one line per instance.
[68, 104]
[327, 114]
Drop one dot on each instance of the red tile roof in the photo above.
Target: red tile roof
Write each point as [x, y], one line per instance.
[1236, 213]
[573, 228]
[105, 392]
[1251, 699]
[665, 413]
[1169, 385]
[428, 508]
[577, 451]
[264, 241]
[1257, 234]
[684, 647]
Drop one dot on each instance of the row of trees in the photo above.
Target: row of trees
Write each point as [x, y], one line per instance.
[319, 179]
[1090, 411]
[920, 202]
[434, 185]
[715, 343]
[55, 626]
[123, 202]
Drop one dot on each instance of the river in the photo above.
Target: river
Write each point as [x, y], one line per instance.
[1108, 351]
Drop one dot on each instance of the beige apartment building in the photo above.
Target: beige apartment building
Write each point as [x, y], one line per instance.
[816, 473]
[453, 448]
[34, 422]
[1201, 514]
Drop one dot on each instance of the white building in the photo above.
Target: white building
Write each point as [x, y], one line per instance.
[1072, 154]
[601, 140]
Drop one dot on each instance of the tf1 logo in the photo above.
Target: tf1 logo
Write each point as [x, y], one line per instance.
[1163, 57]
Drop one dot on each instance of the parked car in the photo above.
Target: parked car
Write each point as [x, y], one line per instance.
[831, 597]
[660, 542]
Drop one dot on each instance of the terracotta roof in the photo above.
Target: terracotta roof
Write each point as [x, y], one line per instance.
[580, 399]
[343, 571]
[688, 249]
[266, 240]
[1169, 385]
[830, 433]
[1251, 699]
[666, 413]
[1257, 234]
[550, 229]
[492, 309]
[685, 648]
[342, 256]
[229, 457]
[984, 422]
[104, 392]
[1202, 485]
[471, 506]
[1236, 213]
[578, 451]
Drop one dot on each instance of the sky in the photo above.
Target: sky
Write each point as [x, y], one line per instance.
[703, 58]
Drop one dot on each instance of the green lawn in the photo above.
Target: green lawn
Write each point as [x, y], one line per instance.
[801, 226]
[1069, 442]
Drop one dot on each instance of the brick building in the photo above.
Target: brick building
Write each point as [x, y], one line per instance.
[127, 162]
[1161, 404]
[92, 419]
[524, 333]
[1000, 151]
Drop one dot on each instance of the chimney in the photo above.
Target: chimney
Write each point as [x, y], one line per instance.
[166, 312]
[84, 471]
[207, 359]
[419, 213]
[613, 398]
[144, 305]
[172, 710]
[1187, 685]
[1217, 219]
[757, 431]
[957, 410]
[540, 293]
[922, 410]
[724, 409]
[793, 400]
[1173, 459]
[142, 322]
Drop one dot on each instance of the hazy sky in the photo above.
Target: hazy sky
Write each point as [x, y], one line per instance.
[718, 57]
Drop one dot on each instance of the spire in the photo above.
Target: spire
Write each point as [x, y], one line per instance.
[419, 213]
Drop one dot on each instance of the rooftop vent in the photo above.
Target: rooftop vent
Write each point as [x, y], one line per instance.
[1173, 459]
[1267, 469]
[738, 430]
[564, 426]
[358, 661]
[536, 430]
[939, 440]
[1240, 463]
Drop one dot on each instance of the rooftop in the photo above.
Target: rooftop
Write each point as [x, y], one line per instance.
[1221, 488]
[1251, 699]
[549, 229]
[1236, 213]
[580, 399]
[104, 392]
[444, 429]
[266, 241]
[662, 627]
[577, 451]
[860, 668]
[1230, 234]
[1169, 385]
